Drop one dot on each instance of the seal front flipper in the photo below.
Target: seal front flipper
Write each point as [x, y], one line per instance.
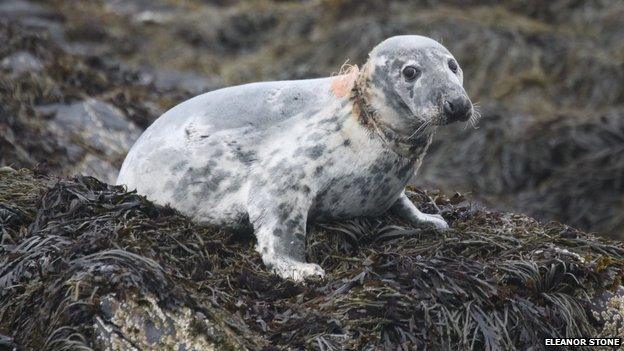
[281, 234]
[405, 209]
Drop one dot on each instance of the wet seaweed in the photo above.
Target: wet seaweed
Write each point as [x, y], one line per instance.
[494, 281]
[569, 167]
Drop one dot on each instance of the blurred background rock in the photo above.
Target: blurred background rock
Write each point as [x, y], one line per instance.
[79, 80]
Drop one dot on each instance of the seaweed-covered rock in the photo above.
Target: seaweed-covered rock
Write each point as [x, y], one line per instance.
[552, 69]
[72, 113]
[568, 166]
[88, 265]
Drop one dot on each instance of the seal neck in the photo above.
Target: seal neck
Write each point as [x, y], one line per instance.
[366, 113]
[368, 117]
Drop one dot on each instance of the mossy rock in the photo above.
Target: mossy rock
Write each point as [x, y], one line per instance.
[88, 265]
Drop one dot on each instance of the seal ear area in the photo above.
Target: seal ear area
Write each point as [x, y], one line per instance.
[343, 82]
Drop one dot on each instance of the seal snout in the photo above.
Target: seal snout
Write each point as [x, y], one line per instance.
[457, 108]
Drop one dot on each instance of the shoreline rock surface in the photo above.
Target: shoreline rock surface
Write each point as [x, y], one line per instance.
[86, 265]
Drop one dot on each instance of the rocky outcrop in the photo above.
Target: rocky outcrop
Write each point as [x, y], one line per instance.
[547, 75]
[96, 126]
[71, 113]
[87, 265]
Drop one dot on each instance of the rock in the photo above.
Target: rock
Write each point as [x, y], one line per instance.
[139, 322]
[22, 8]
[139, 8]
[6, 343]
[33, 15]
[98, 128]
[89, 265]
[21, 62]
[168, 80]
[73, 114]
[608, 308]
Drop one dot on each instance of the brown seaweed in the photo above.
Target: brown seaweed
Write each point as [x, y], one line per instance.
[81, 248]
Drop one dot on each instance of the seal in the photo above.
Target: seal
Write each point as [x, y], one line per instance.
[274, 155]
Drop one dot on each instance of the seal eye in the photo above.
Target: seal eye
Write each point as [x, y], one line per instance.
[453, 65]
[411, 72]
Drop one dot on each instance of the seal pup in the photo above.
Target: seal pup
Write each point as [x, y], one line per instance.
[275, 155]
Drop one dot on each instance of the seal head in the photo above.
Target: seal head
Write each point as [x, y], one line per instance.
[409, 86]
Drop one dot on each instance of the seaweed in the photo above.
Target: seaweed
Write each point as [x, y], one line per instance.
[569, 167]
[91, 260]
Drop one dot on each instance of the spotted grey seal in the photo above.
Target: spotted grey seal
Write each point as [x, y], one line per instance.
[275, 155]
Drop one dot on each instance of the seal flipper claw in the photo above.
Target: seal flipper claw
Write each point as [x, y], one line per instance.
[434, 220]
[293, 269]
[405, 209]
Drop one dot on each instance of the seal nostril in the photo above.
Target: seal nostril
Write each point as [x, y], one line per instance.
[448, 107]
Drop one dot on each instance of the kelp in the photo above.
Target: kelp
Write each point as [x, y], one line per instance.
[86, 265]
